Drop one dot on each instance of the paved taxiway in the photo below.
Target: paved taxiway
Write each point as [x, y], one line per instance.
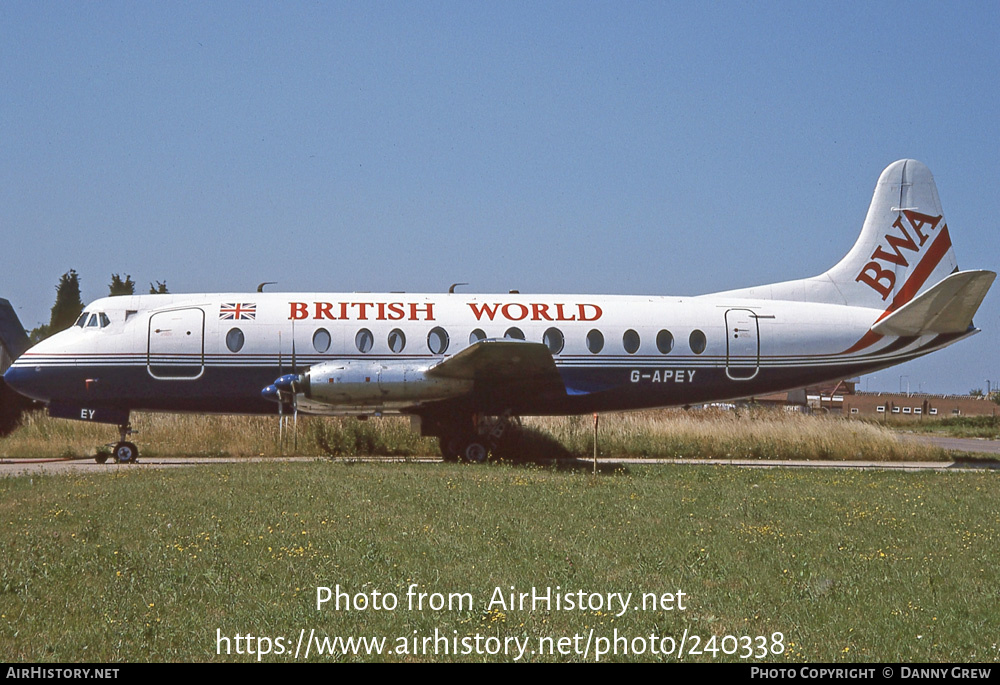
[12, 467]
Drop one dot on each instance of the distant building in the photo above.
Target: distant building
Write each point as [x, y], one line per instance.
[841, 397]
[826, 397]
[917, 405]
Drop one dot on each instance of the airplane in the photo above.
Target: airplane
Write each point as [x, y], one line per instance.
[467, 366]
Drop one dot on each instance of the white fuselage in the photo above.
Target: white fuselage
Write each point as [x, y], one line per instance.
[217, 352]
[450, 358]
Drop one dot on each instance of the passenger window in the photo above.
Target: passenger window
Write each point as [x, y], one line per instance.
[631, 341]
[397, 340]
[595, 341]
[514, 333]
[697, 341]
[437, 340]
[554, 340]
[476, 335]
[235, 340]
[664, 341]
[364, 340]
[321, 340]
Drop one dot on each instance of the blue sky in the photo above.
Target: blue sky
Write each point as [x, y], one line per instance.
[647, 148]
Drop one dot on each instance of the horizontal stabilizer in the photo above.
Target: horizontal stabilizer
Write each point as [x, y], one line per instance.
[948, 307]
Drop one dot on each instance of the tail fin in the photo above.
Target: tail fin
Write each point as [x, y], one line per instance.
[904, 248]
[904, 245]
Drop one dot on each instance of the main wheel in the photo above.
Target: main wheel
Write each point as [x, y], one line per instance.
[126, 453]
[475, 453]
[451, 448]
[101, 457]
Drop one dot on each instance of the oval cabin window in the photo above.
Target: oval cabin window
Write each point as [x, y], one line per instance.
[321, 340]
[397, 340]
[697, 341]
[595, 341]
[364, 340]
[437, 340]
[235, 340]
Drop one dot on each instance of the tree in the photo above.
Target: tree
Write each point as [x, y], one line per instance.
[38, 334]
[68, 304]
[159, 289]
[977, 392]
[120, 287]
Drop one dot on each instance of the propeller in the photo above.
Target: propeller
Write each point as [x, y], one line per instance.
[295, 401]
[284, 391]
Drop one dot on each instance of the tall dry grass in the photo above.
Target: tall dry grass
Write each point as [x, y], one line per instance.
[222, 436]
[663, 434]
[754, 434]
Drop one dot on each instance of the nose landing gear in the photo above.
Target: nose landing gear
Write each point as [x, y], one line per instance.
[126, 453]
[123, 451]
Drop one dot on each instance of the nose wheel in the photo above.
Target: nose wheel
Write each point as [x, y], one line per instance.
[126, 453]
[123, 451]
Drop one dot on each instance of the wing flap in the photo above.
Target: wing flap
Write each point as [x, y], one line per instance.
[947, 307]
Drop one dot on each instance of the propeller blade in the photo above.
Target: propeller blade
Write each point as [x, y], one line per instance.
[281, 401]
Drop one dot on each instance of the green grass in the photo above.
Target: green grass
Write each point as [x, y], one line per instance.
[987, 427]
[146, 564]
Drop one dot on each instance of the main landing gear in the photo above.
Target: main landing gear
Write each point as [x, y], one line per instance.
[123, 451]
[482, 436]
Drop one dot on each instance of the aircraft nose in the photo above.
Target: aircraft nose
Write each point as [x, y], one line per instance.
[23, 379]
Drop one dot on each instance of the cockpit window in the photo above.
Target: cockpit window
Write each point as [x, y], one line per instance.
[88, 320]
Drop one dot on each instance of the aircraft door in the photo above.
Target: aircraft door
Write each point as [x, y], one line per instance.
[176, 349]
[742, 344]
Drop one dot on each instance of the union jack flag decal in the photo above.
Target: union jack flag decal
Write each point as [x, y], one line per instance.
[237, 311]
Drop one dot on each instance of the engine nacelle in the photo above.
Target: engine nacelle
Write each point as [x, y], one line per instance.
[385, 384]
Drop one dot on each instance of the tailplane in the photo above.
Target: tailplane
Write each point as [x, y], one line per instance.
[947, 307]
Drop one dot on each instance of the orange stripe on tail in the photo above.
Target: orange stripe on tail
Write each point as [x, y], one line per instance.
[938, 249]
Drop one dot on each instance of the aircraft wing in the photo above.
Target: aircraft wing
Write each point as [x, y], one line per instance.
[500, 360]
[505, 366]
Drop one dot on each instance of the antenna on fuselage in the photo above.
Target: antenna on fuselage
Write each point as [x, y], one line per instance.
[451, 290]
[260, 288]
